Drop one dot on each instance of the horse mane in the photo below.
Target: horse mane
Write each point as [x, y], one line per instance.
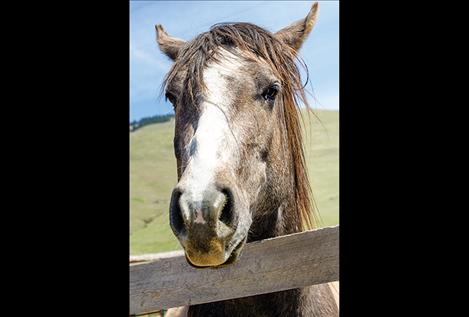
[259, 43]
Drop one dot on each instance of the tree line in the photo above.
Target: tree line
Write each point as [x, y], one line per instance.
[135, 125]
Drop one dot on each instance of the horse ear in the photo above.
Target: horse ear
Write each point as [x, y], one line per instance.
[168, 45]
[295, 34]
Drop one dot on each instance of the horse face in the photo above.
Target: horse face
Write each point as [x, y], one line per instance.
[225, 138]
[222, 146]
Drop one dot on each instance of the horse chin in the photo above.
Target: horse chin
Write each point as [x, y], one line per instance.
[230, 259]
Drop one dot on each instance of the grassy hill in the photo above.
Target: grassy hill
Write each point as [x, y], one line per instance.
[153, 175]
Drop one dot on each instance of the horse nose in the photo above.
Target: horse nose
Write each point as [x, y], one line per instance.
[211, 211]
[204, 224]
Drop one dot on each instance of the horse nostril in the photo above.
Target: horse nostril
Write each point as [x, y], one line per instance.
[175, 215]
[227, 212]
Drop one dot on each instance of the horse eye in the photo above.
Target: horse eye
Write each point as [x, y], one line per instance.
[270, 93]
[169, 96]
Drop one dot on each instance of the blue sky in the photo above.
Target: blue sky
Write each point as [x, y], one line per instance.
[187, 19]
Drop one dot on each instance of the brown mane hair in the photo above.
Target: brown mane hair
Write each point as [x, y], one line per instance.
[259, 43]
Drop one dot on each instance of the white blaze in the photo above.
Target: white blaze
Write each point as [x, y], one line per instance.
[213, 143]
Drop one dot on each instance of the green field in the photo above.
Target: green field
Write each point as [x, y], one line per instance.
[153, 175]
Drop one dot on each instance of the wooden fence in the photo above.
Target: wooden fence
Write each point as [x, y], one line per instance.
[165, 280]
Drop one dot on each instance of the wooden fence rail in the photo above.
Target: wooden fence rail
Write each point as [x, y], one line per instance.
[161, 281]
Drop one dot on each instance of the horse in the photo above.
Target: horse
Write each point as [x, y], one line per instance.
[236, 92]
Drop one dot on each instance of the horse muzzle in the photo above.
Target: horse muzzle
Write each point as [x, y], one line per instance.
[206, 224]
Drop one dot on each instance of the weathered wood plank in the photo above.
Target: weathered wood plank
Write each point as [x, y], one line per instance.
[155, 256]
[266, 266]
